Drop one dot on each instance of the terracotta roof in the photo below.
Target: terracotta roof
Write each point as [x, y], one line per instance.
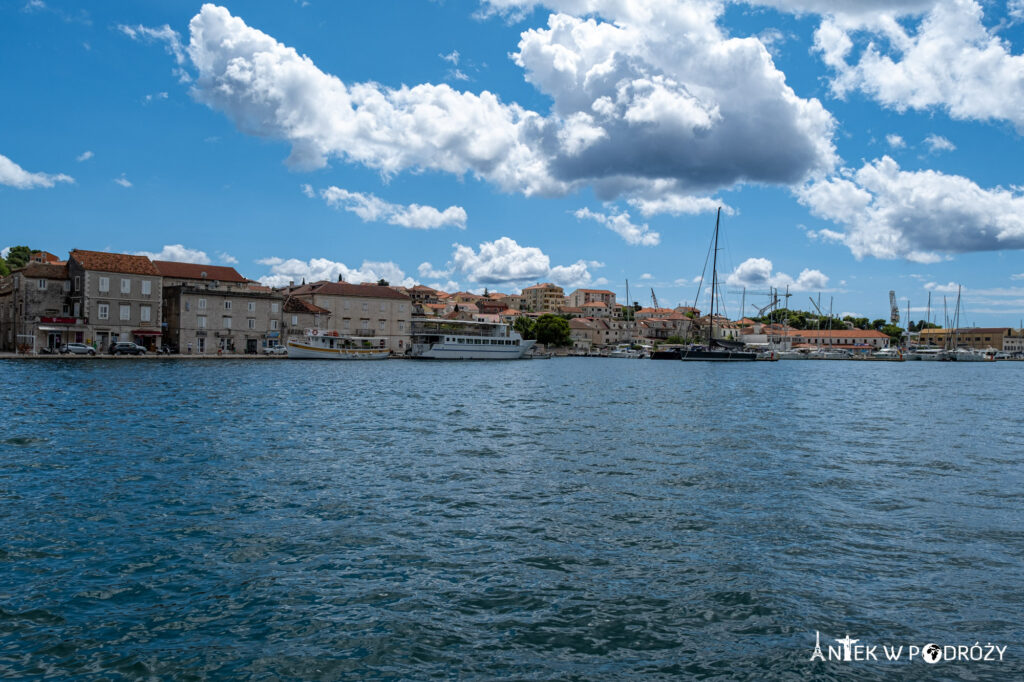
[346, 289]
[221, 273]
[545, 285]
[421, 287]
[595, 291]
[114, 262]
[436, 306]
[599, 304]
[297, 305]
[43, 270]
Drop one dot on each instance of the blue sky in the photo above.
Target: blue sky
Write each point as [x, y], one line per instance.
[500, 143]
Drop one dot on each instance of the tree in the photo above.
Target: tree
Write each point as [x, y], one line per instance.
[895, 333]
[18, 257]
[4, 270]
[383, 282]
[524, 326]
[552, 330]
[878, 324]
[485, 292]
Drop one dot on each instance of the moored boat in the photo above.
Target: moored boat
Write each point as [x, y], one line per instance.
[441, 339]
[318, 344]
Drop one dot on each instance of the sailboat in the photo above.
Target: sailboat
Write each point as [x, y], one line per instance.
[716, 350]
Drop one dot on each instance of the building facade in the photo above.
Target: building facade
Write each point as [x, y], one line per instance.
[543, 298]
[118, 295]
[364, 310]
[35, 311]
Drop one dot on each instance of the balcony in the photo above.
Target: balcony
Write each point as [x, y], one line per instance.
[361, 332]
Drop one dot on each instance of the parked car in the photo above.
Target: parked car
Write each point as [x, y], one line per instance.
[77, 349]
[276, 349]
[127, 348]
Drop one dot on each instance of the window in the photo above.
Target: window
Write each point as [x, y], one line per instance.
[344, 324]
[366, 306]
[383, 307]
[78, 284]
[401, 307]
[126, 285]
[295, 320]
[252, 306]
[227, 305]
[188, 306]
[41, 284]
[227, 322]
[383, 325]
[104, 285]
[103, 311]
[275, 307]
[252, 322]
[273, 325]
[401, 326]
[201, 321]
[145, 313]
[65, 310]
[146, 287]
[366, 324]
[202, 304]
[67, 286]
[346, 305]
[126, 311]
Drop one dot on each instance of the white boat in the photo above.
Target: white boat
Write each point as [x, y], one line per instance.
[318, 344]
[625, 350]
[972, 355]
[439, 339]
[927, 354]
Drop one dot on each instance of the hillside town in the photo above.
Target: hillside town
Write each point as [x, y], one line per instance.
[99, 299]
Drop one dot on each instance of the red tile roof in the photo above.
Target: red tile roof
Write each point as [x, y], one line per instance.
[297, 305]
[346, 289]
[114, 262]
[43, 270]
[838, 333]
[220, 273]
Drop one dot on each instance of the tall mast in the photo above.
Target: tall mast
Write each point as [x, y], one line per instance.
[714, 281]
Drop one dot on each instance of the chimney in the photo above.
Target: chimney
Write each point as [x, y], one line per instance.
[291, 282]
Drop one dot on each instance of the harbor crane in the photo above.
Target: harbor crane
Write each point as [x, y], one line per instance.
[894, 314]
[654, 299]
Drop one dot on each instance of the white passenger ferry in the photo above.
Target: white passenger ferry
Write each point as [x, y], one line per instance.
[318, 344]
[440, 339]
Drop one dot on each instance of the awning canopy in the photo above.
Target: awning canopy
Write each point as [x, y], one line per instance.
[49, 328]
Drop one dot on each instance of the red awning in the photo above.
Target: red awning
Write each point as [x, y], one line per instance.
[146, 332]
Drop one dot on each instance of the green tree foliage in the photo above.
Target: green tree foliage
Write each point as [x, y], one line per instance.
[858, 322]
[525, 327]
[4, 270]
[552, 330]
[895, 333]
[878, 324]
[18, 257]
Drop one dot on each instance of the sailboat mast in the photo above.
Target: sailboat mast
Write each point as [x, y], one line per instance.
[714, 281]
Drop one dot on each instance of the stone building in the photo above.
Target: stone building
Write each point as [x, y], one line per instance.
[580, 297]
[300, 315]
[364, 310]
[543, 298]
[119, 296]
[212, 309]
[35, 312]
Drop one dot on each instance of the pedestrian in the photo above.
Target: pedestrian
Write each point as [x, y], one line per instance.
[190, 348]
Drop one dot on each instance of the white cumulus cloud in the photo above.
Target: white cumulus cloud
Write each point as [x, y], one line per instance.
[917, 215]
[178, 253]
[84, 156]
[937, 143]
[759, 273]
[650, 99]
[505, 262]
[13, 175]
[372, 209]
[895, 141]
[123, 181]
[283, 271]
[948, 60]
[636, 235]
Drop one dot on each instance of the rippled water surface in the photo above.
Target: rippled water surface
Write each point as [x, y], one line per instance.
[563, 519]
